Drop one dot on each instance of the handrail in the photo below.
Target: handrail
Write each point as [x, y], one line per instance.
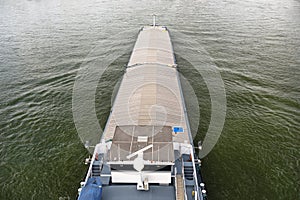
[183, 178]
[175, 172]
[89, 172]
[195, 175]
[90, 167]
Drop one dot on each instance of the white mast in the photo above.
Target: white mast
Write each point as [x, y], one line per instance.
[154, 18]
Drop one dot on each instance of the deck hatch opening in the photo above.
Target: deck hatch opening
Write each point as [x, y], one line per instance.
[126, 141]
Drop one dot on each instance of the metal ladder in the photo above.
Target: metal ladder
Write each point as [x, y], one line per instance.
[188, 172]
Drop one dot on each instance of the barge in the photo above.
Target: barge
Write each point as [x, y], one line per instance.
[146, 151]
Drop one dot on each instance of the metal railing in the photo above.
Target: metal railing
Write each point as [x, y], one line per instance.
[183, 178]
[175, 173]
[195, 176]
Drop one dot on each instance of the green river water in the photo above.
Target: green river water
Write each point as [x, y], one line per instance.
[254, 44]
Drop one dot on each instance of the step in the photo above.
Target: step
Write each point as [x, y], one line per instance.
[96, 171]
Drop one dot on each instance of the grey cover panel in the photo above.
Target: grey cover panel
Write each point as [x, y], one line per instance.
[125, 142]
[124, 192]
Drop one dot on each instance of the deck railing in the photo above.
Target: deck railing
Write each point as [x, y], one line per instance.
[183, 177]
[199, 194]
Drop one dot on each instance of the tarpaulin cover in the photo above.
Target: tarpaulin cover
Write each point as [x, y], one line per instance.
[92, 190]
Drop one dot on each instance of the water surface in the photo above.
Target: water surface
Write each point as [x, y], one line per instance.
[254, 43]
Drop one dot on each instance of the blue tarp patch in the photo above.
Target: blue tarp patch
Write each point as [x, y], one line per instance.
[92, 189]
[178, 129]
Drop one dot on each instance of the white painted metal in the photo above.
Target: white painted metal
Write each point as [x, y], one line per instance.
[134, 177]
[140, 151]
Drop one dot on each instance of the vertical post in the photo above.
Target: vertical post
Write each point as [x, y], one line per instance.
[119, 152]
[158, 154]
[152, 142]
[168, 153]
[154, 18]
